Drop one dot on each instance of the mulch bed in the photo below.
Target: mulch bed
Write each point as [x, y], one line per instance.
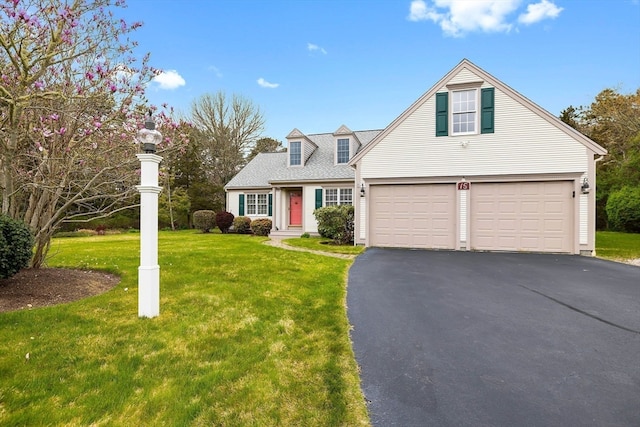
[32, 288]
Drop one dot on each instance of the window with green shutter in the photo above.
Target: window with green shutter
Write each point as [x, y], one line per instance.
[487, 110]
[318, 198]
[270, 204]
[442, 112]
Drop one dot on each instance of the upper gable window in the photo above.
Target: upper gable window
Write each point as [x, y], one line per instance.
[460, 112]
[295, 153]
[464, 111]
[342, 153]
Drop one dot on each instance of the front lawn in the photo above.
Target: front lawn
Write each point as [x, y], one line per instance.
[247, 335]
[617, 246]
[325, 245]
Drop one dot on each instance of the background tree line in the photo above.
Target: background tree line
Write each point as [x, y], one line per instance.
[613, 121]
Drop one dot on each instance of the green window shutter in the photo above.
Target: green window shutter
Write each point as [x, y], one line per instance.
[442, 114]
[318, 198]
[487, 110]
[241, 203]
[270, 204]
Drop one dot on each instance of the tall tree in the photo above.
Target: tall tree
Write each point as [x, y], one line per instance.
[71, 101]
[613, 121]
[227, 131]
[265, 145]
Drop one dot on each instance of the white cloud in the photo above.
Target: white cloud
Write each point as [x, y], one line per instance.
[262, 82]
[169, 80]
[459, 17]
[315, 48]
[539, 11]
[215, 70]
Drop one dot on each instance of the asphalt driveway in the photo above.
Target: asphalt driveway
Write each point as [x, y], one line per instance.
[493, 339]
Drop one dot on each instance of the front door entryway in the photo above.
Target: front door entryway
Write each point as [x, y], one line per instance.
[295, 209]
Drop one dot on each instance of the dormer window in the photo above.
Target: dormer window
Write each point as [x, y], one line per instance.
[342, 153]
[295, 153]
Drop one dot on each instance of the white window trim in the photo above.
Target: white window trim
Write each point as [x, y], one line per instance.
[348, 140]
[340, 200]
[256, 205]
[301, 154]
[476, 115]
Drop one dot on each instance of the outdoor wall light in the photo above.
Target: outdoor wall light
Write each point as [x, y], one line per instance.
[362, 190]
[585, 186]
[149, 137]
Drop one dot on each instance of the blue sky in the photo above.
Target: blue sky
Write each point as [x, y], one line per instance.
[315, 65]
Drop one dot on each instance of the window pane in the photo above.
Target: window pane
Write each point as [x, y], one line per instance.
[343, 151]
[262, 204]
[331, 196]
[251, 204]
[295, 155]
[346, 196]
[464, 111]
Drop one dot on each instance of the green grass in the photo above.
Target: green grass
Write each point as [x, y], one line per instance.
[248, 335]
[617, 246]
[324, 245]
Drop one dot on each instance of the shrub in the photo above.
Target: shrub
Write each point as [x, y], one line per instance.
[242, 224]
[204, 220]
[623, 210]
[305, 235]
[336, 223]
[16, 245]
[261, 226]
[224, 220]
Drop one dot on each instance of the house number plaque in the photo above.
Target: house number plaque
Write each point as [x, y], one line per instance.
[464, 185]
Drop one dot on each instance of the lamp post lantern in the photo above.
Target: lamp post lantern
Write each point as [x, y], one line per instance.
[149, 270]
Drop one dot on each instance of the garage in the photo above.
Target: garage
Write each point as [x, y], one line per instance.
[413, 216]
[522, 216]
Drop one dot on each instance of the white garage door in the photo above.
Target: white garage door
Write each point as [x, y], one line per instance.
[413, 216]
[522, 216]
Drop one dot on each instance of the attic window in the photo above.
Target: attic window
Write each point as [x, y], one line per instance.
[295, 153]
[342, 153]
[465, 113]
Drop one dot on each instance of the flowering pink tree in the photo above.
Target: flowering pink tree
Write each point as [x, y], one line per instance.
[71, 102]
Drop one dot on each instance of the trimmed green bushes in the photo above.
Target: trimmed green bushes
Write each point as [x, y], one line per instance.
[623, 210]
[224, 220]
[16, 246]
[242, 224]
[261, 226]
[204, 220]
[336, 223]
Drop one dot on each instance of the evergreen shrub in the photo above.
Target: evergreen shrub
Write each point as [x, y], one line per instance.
[16, 246]
[623, 210]
[242, 224]
[204, 220]
[336, 223]
[261, 226]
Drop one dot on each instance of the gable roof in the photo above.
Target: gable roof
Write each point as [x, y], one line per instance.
[465, 63]
[271, 168]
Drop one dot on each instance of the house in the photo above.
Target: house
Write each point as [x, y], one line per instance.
[471, 165]
[287, 187]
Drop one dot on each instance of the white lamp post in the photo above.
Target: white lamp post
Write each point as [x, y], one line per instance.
[149, 270]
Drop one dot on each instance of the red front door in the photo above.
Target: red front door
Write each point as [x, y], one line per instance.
[295, 209]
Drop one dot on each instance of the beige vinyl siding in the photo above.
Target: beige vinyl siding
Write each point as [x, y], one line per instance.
[363, 217]
[464, 76]
[584, 219]
[309, 223]
[233, 202]
[523, 143]
[463, 214]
